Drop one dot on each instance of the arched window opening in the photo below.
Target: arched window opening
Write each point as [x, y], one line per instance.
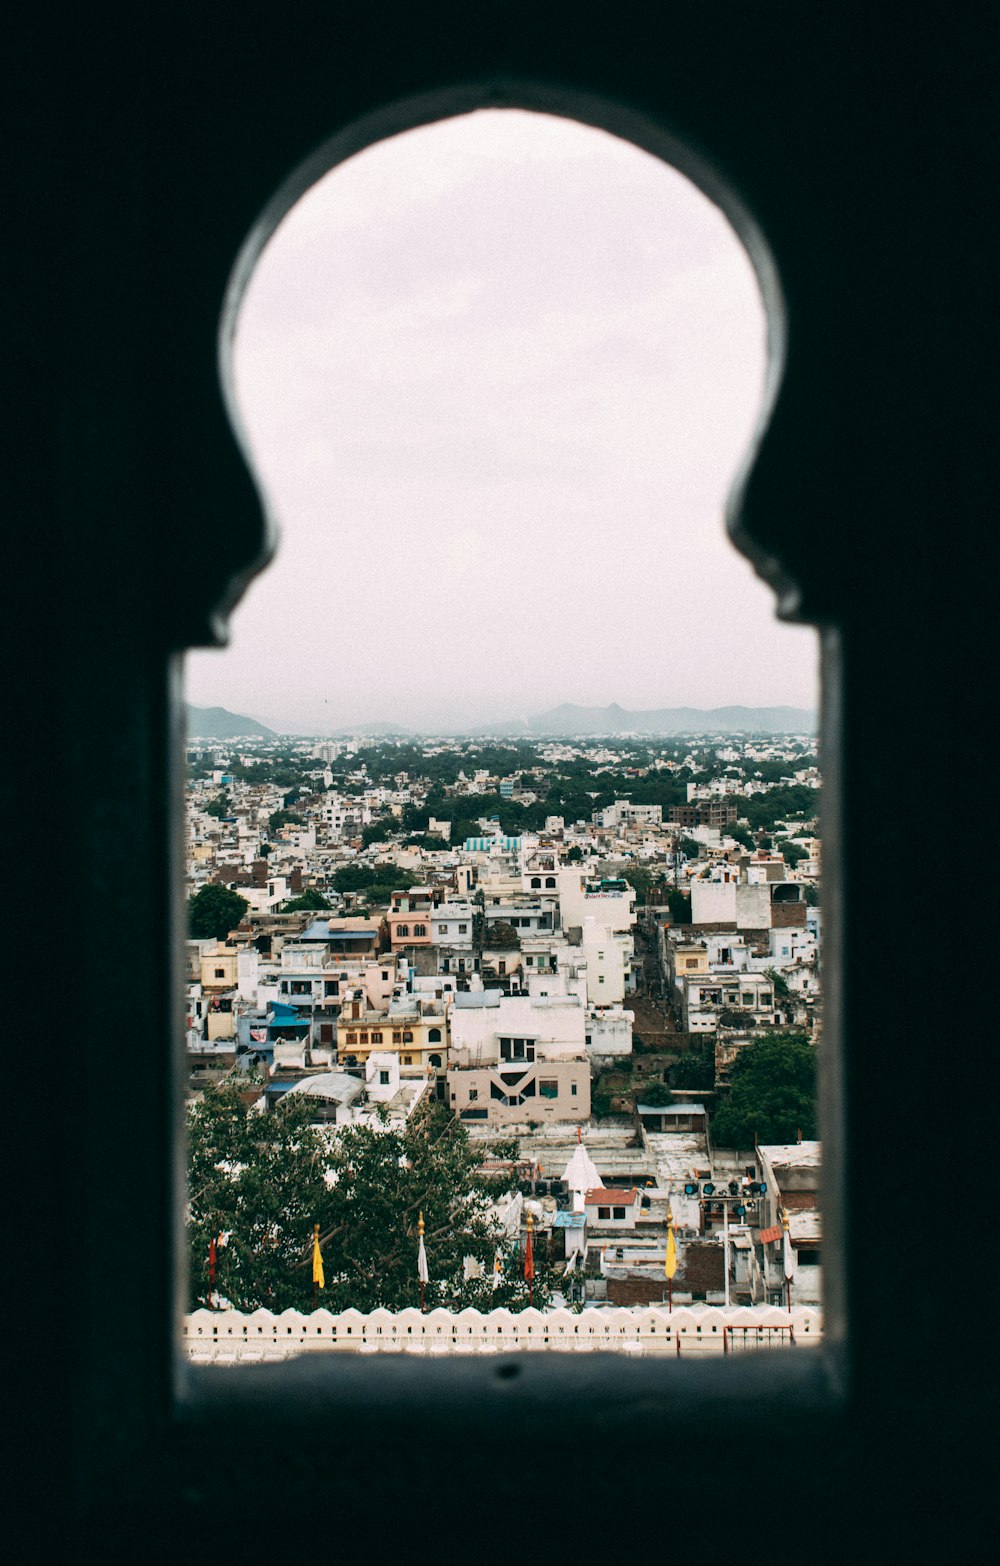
[495, 377]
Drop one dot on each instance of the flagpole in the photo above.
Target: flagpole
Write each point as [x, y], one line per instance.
[420, 1260]
[315, 1243]
[529, 1262]
[670, 1261]
[725, 1249]
[784, 1255]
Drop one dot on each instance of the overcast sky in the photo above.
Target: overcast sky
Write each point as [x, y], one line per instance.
[497, 374]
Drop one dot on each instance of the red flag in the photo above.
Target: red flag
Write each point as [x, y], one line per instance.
[211, 1264]
[529, 1257]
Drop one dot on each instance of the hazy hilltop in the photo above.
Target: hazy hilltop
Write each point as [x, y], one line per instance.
[568, 719]
[218, 723]
[562, 722]
[373, 731]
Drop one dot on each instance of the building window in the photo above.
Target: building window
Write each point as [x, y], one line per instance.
[407, 1060]
[572, 1088]
[463, 929]
[420, 929]
[434, 1035]
[442, 929]
[547, 1088]
[362, 1038]
[383, 1078]
[407, 1036]
[618, 1212]
[376, 1038]
[517, 1049]
[473, 1095]
[604, 1213]
[220, 973]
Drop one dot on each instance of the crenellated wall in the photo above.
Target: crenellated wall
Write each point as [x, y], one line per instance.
[229, 1337]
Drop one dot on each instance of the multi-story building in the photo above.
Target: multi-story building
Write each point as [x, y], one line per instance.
[519, 1058]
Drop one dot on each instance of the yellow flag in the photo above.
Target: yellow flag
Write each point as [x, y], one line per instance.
[670, 1264]
[318, 1277]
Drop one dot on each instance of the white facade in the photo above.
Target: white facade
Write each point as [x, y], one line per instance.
[607, 958]
[611, 900]
[609, 1033]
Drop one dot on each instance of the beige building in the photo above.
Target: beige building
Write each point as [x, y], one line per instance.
[519, 1058]
[219, 969]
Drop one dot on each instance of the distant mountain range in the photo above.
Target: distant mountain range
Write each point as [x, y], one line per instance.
[217, 723]
[562, 722]
[568, 720]
[374, 731]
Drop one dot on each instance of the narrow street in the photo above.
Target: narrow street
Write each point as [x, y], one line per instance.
[651, 1024]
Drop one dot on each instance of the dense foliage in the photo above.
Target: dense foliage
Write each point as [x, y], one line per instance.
[378, 881]
[773, 1093]
[260, 1181]
[213, 912]
[308, 901]
[695, 1071]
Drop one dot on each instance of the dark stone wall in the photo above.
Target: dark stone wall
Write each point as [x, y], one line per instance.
[848, 145]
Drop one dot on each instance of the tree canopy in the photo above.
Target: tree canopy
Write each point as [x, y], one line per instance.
[380, 879]
[260, 1181]
[214, 911]
[773, 1093]
[309, 900]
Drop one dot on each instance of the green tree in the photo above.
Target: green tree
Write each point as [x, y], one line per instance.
[309, 900]
[219, 807]
[279, 818]
[380, 879]
[780, 983]
[655, 1093]
[695, 1071]
[773, 1093]
[680, 907]
[213, 912]
[262, 1181]
[501, 936]
[375, 832]
[255, 1185]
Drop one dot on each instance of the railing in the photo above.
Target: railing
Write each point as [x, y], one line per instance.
[229, 1337]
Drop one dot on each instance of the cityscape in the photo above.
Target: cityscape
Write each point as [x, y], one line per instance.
[500, 1042]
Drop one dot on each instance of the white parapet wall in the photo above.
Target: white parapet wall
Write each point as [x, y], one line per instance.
[227, 1337]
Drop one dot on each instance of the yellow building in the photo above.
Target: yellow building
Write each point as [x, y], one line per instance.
[419, 1035]
[218, 969]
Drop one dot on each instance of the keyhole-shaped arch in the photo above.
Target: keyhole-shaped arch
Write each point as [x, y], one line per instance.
[770, 566]
[604, 116]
